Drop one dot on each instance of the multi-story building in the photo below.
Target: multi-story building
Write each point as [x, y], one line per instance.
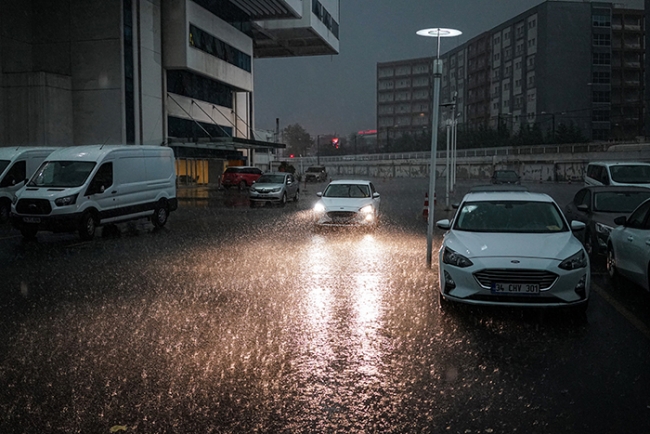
[574, 63]
[174, 72]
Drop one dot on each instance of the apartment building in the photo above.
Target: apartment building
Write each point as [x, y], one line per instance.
[575, 63]
[165, 72]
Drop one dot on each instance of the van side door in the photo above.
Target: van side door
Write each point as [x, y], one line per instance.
[101, 190]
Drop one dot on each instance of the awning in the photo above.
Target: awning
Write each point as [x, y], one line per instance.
[219, 147]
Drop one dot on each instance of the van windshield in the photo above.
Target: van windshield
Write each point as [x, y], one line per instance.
[631, 174]
[62, 174]
[3, 165]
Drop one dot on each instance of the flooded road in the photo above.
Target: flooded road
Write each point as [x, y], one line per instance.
[240, 320]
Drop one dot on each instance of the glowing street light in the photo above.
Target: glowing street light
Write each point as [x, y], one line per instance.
[437, 74]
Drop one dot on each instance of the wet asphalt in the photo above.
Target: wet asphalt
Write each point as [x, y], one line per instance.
[240, 320]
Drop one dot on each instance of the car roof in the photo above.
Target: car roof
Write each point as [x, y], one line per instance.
[276, 173]
[350, 181]
[507, 196]
[614, 188]
[497, 187]
[620, 163]
[241, 167]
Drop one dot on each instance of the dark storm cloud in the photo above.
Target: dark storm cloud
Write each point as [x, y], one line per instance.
[336, 94]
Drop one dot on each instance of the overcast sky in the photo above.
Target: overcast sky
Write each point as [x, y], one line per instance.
[337, 94]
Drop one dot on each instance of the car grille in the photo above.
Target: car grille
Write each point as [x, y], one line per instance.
[33, 206]
[486, 278]
[341, 216]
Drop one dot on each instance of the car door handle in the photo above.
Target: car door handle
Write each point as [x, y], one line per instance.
[647, 242]
[630, 238]
[114, 191]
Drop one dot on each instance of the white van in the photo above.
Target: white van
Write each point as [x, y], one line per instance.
[626, 173]
[17, 164]
[83, 187]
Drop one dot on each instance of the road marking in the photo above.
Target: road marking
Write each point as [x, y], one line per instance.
[622, 310]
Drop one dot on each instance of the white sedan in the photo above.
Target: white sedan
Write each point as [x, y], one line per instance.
[348, 203]
[512, 248]
[628, 246]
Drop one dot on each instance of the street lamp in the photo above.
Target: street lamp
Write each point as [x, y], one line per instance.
[437, 74]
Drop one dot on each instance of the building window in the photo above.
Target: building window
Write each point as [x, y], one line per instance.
[198, 87]
[129, 95]
[207, 43]
[325, 17]
[601, 96]
[602, 40]
[601, 77]
[602, 58]
[602, 18]
[600, 115]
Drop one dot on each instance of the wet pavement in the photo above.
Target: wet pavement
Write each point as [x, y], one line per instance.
[240, 320]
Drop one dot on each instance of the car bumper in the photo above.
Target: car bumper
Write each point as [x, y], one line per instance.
[350, 219]
[266, 197]
[569, 288]
[61, 223]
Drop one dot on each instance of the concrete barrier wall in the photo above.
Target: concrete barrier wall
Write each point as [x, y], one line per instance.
[533, 167]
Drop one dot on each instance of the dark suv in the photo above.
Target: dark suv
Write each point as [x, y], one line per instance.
[316, 174]
[240, 176]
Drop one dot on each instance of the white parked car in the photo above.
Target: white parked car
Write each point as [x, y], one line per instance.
[512, 248]
[628, 246]
[348, 203]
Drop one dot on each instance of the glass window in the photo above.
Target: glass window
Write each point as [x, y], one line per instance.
[16, 174]
[638, 217]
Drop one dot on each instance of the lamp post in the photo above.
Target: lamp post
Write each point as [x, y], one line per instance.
[437, 74]
[552, 115]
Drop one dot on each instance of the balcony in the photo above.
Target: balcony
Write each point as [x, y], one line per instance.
[314, 33]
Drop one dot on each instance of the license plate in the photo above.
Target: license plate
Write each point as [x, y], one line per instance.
[515, 288]
[31, 220]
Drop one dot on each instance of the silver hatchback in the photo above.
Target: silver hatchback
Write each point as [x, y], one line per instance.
[274, 187]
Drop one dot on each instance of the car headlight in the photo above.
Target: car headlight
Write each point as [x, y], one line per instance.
[67, 200]
[603, 229]
[276, 190]
[366, 209]
[453, 258]
[319, 207]
[578, 260]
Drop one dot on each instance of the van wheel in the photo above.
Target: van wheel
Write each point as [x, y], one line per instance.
[29, 231]
[5, 207]
[159, 217]
[87, 226]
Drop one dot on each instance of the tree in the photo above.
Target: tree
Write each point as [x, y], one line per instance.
[298, 140]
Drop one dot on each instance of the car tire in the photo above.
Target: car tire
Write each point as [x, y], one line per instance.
[29, 231]
[283, 200]
[612, 272]
[242, 185]
[297, 196]
[5, 208]
[160, 215]
[87, 226]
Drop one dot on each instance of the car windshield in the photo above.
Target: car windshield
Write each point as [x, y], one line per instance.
[510, 216]
[506, 175]
[3, 165]
[270, 179]
[347, 190]
[619, 202]
[631, 174]
[62, 174]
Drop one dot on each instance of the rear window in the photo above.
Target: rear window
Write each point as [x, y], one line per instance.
[631, 173]
[233, 170]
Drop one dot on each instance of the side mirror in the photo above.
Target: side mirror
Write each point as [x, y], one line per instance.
[375, 195]
[444, 224]
[577, 225]
[620, 221]
[319, 194]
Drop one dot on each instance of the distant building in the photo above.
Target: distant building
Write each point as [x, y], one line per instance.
[176, 72]
[565, 63]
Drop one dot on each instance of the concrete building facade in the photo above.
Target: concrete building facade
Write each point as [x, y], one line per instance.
[164, 72]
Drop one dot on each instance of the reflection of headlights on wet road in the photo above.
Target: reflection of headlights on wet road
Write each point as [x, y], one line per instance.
[319, 208]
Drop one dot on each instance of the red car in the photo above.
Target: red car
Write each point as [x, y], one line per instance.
[240, 176]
